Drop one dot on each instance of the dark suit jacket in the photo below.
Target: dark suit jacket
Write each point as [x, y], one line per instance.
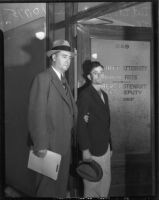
[94, 135]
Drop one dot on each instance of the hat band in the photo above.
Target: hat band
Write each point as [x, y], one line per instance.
[62, 47]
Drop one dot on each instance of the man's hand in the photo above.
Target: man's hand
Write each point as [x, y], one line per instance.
[86, 117]
[41, 153]
[87, 154]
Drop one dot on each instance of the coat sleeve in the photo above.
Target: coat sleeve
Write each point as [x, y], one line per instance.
[37, 113]
[82, 127]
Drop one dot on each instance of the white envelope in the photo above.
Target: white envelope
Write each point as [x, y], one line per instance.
[48, 166]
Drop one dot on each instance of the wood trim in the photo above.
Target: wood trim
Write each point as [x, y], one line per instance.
[49, 28]
[97, 11]
[142, 161]
[49, 20]
[84, 48]
[155, 9]
[129, 33]
[70, 10]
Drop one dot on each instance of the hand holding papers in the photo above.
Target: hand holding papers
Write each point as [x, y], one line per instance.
[48, 166]
[41, 153]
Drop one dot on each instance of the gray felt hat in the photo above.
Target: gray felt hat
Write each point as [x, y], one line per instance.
[60, 45]
[89, 170]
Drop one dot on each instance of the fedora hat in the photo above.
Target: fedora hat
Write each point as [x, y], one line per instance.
[89, 170]
[60, 45]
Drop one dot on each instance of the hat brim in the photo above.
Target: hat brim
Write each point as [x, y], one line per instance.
[90, 170]
[51, 52]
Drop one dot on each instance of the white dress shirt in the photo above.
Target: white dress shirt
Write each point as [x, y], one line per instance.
[57, 72]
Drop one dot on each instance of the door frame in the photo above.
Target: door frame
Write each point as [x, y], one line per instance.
[84, 35]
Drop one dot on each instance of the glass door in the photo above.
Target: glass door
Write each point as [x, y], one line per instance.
[126, 56]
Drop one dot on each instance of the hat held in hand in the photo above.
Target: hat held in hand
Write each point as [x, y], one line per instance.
[90, 170]
[60, 45]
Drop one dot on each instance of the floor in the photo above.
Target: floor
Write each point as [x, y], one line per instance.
[11, 192]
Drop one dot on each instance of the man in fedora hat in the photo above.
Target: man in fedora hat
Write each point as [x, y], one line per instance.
[93, 129]
[52, 115]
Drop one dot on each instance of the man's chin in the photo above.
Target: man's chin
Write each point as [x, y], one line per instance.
[66, 68]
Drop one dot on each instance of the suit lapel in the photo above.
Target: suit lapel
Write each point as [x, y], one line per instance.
[97, 97]
[99, 102]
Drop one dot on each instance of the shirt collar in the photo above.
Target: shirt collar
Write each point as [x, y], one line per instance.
[57, 72]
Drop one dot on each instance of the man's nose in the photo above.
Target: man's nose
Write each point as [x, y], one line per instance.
[68, 60]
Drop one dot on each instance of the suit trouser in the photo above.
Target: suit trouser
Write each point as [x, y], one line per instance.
[47, 187]
[100, 188]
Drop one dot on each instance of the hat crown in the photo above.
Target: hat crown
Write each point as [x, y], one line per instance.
[90, 170]
[60, 45]
[57, 43]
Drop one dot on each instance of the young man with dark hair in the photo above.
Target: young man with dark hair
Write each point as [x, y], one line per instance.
[93, 129]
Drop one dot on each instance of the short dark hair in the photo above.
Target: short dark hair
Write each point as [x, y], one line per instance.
[93, 65]
[88, 66]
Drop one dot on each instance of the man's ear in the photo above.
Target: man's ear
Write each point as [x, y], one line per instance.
[89, 77]
[54, 57]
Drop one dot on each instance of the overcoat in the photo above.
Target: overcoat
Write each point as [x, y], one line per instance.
[52, 115]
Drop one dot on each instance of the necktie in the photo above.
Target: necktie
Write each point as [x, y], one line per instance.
[63, 80]
[101, 96]
[100, 93]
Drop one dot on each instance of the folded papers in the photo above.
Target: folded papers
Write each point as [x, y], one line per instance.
[48, 166]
